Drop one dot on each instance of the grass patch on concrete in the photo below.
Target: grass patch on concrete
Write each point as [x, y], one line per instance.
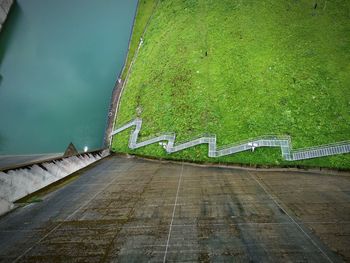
[242, 69]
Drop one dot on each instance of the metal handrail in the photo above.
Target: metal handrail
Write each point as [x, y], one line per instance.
[320, 147]
[203, 135]
[246, 141]
[286, 148]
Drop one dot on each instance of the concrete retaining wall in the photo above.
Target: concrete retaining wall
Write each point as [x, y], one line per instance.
[5, 6]
[20, 182]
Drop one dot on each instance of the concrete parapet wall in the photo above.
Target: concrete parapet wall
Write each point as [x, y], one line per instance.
[5, 6]
[20, 182]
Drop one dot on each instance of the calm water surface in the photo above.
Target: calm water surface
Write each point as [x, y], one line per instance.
[59, 62]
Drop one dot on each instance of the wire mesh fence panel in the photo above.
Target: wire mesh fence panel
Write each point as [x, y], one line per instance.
[283, 142]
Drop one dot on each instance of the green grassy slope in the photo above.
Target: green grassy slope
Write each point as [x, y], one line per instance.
[242, 69]
[144, 12]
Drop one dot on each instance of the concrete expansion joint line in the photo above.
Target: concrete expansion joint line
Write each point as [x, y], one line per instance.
[283, 142]
[279, 204]
[65, 220]
[173, 215]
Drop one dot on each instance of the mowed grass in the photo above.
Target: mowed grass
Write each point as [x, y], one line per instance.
[242, 69]
[144, 11]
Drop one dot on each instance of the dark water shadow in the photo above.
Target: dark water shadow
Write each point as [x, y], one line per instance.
[8, 29]
[2, 142]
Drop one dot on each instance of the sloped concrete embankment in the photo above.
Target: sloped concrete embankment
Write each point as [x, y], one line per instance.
[19, 182]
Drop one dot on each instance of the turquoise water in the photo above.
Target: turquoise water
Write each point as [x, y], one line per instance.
[59, 63]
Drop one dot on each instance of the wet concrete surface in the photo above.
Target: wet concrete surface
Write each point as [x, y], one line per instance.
[132, 210]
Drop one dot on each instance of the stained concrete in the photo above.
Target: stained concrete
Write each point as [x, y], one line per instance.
[131, 210]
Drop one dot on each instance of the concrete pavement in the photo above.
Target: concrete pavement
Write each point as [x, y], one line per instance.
[133, 210]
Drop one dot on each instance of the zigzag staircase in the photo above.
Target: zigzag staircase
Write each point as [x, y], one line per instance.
[265, 141]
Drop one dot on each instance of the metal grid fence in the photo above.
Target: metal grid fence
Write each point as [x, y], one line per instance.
[283, 142]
